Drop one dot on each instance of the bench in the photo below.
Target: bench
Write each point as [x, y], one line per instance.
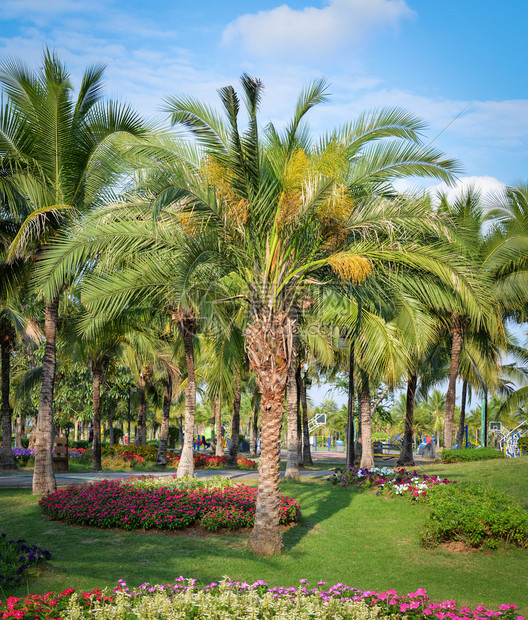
[60, 455]
[386, 449]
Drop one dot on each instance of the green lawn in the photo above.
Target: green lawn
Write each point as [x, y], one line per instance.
[345, 536]
[508, 475]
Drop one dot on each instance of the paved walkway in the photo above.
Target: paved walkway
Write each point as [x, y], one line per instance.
[24, 480]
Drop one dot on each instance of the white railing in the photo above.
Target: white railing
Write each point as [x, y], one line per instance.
[316, 422]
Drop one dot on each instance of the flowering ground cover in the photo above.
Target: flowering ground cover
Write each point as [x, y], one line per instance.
[131, 456]
[234, 599]
[135, 457]
[16, 557]
[186, 482]
[387, 479]
[118, 504]
[212, 462]
[25, 456]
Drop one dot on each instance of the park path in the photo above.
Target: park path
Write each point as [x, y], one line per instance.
[24, 480]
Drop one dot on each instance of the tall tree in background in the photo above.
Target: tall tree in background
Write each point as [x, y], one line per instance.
[65, 156]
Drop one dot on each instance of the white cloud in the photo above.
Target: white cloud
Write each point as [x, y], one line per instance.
[489, 188]
[147, 61]
[312, 31]
[483, 135]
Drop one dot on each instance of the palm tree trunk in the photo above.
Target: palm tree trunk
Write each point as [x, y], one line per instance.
[219, 435]
[180, 431]
[186, 466]
[111, 438]
[350, 450]
[358, 445]
[254, 426]
[456, 348]
[141, 427]
[367, 458]
[406, 454]
[7, 459]
[462, 422]
[266, 343]
[232, 459]
[307, 454]
[292, 464]
[20, 426]
[213, 420]
[43, 477]
[20, 430]
[298, 381]
[164, 433]
[97, 374]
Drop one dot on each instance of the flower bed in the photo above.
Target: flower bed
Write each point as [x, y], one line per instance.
[16, 557]
[118, 504]
[136, 456]
[212, 462]
[123, 461]
[23, 456]
[186, 482]
[231, 599]
[386, 479]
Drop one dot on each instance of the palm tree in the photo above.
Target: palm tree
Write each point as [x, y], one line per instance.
[15, 318]
[253, 218]
[269, 213]
[434, 406]
[171, 394]
[468, 218]
[64, 155]
[507, 251]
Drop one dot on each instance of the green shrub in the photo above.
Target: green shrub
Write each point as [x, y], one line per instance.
[463, 455]
[149, 452]
[81, 443]
[474, 515]
[174, 433]
[25, 442]
[118, 433]
[523, 443]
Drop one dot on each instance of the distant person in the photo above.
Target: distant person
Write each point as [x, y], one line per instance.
[90, 436]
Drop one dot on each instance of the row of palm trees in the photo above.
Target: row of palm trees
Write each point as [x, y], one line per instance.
[259, 247]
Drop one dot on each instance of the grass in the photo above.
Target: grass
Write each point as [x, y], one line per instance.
[345, 536]
[508, 475]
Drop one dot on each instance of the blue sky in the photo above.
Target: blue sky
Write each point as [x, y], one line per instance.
[439, 59]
